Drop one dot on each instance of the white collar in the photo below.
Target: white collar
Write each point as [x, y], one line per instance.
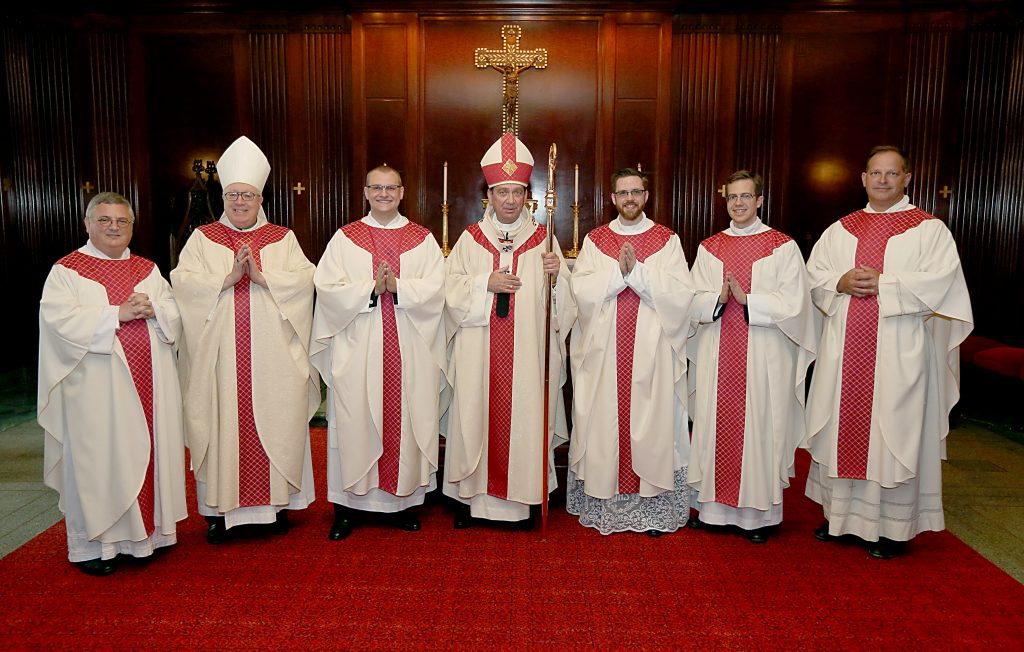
[754, 227]
[643, 224]
[90, 250]
[398, 222]
[900, 206]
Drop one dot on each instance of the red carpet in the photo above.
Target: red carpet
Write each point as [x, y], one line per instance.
[488, 588]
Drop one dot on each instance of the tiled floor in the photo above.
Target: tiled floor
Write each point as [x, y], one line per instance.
[983, 483]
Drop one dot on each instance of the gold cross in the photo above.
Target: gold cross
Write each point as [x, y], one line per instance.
[298, 188]
[510, 61]
[721, 191]
[87, 187]
[945, 192]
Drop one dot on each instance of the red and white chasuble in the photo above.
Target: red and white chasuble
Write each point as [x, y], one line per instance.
[495, 422]
[747, 381]
[248, 387]
[887, 373]
[629, 363]
[383, 364]
[110, 405]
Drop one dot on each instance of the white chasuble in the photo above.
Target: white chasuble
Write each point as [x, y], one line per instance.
[248, 387]
[383, 363]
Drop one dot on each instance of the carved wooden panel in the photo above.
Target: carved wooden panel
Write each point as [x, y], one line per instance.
[110, 134]
[270, 110]
[326, 144]
[986, 212]
[698, 49]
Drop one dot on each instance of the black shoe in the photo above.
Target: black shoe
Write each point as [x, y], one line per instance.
[463, 518]
[217, 531]
[654, 534]
[887, 548]
[760, 535]
[407, 522]
[281, 524]
[344, 522]
[694, 522]
[821, 534]
[97, 567]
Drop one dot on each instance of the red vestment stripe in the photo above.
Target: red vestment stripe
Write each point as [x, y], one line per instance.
[860, 341]
[501, 364]
[388, 245]
[738, 255]
[119, 278]
[253, 462]
[627, 307]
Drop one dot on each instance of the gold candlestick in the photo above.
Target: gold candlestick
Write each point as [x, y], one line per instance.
[575, 251]
[445, 249]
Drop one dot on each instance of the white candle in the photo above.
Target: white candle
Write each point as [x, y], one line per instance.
[576, 186]
[445, 200]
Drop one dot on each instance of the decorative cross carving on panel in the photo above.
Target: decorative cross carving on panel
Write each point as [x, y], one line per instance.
[87, 187]
[510, 61]
[945, 192]
[299, 188]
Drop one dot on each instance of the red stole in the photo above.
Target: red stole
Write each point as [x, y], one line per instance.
[119, 278]
[738, 255]
[253, 463]
[860, 342]
[627, 306]
[388, 245]
[502, 356]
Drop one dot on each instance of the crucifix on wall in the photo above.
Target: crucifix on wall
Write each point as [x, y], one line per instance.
[510, 61]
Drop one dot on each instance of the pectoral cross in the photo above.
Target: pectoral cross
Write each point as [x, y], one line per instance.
[510, 61]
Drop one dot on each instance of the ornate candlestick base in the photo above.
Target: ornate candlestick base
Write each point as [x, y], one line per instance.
[575, 251]
[445, 249]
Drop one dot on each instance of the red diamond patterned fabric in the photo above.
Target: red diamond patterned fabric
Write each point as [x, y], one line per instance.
[502, 357]
[627, 306]
[860, 343]
[120, 277]
[738, 255]
[253, 463]
[388, 245]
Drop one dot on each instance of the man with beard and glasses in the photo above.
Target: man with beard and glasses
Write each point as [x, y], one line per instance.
[629, 446]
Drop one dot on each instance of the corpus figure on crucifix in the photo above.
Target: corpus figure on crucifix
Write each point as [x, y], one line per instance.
[511, 61]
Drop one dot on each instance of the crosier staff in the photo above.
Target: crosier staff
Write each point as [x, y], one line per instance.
[549, 204]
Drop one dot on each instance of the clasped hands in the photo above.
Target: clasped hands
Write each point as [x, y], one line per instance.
[500, 281]
[732, 288]
[386, 281]
[861, 281]
[136, 306]
[244, 265]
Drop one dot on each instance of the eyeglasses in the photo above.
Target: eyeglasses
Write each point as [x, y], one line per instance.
[105, 221]
[377, 188]
[635, 192]
[247, 196]
[746, 196]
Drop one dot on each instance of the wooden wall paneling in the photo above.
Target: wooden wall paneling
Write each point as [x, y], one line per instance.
[924, 125]
[385, 108]
[641, 78]
[985, 213]
[110, 134]
[185, 106]
[698, 48]
[271, 126]
[461, 115]
[45, 199]
[326, 155]
[755, 120]
[840, 106]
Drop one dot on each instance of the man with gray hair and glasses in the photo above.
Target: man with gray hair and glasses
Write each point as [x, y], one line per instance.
[108, 396]
[246, 294]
